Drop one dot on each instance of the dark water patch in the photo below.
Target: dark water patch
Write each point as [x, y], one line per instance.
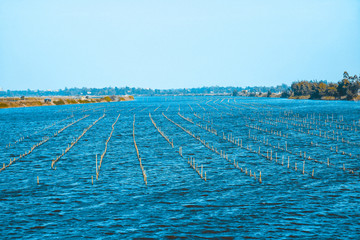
[174, 237]
[332, 215]
[38, 227]
[287, 229]
[295, 214]
[300, 224]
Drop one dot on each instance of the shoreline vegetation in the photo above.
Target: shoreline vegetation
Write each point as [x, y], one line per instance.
[348, 88]
[14, 102]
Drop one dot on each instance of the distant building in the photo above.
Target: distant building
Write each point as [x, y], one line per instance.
[47, 100]
[22, 98]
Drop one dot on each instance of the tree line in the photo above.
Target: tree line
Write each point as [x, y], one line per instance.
[139, 91]
[347, 88]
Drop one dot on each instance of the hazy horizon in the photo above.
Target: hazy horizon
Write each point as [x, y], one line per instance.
[177, 44]
[131, 87]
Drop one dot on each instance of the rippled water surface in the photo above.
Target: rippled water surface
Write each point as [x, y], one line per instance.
[307, 152]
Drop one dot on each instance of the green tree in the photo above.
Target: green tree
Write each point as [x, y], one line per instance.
[352, 91]
[269, 93]
[235, 93]
[318, 90]
[331, 90]
[286, 94]
[343, 87]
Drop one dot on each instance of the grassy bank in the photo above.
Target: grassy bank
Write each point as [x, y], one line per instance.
[43, 101]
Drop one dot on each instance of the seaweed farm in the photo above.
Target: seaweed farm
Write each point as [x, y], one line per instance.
[182, 167]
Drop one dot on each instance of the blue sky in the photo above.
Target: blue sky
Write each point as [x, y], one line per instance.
[47, 44]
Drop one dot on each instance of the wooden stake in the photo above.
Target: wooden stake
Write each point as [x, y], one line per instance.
[303, 168]
[97, 175]
[288, 162]
[260, 178]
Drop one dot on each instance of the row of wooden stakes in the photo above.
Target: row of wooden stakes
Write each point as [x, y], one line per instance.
[238, 142]
[36, 132]
[226, 156]
[180, 150]
[256, 127]
[338, 124]
[301, 154]
[307, 157]
[202, 118]
[44, 140]
[311, 131]
[185, 118]
[161, 132]
[192, 163]
[276, 133]
[233, 162]
[138, 154]
[236, 165]
[74, 142]
[98, 167]
[321, 133]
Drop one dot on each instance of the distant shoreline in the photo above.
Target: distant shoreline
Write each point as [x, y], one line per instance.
[11, 102]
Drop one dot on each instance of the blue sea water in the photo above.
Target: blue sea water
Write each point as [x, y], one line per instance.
[322, 203]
